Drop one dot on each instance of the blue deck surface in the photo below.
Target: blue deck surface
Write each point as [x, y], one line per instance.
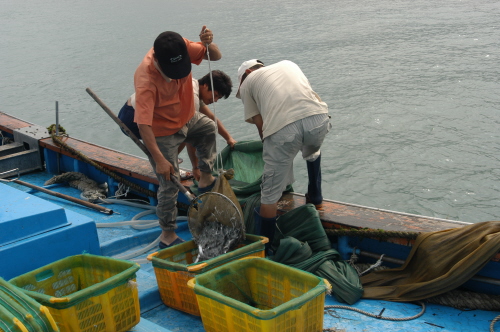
[156, 317]
[35, 217]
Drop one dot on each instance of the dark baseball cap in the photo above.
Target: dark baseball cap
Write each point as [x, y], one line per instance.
[172, 55]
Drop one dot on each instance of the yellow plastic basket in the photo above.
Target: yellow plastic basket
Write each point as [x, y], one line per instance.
[86, 293]
[174, 267]
[260, 295]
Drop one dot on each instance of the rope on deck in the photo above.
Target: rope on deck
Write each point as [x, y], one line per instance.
[376, 233]
[115, 176]
[493, 323]
[464, 300]
[366, 313]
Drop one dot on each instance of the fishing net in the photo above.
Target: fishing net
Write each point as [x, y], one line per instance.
[301, 242]
[438, 262]
[245, 159]
[215, 219]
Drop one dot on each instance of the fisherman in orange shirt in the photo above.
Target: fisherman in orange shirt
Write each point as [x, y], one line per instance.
[163, 109]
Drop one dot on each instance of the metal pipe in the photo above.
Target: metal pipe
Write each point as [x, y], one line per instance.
[58, 155]
[57, 118]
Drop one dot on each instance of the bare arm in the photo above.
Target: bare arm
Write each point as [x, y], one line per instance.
[257, 120]
[163, 166]
[220, 127]
[206, 37]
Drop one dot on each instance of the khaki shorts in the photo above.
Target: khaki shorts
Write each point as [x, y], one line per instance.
[280, 149]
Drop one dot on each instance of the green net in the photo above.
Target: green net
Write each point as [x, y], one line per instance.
[301, 242]
[246, 161]
[304, 224]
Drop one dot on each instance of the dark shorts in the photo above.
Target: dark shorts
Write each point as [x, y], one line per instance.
[126, 115]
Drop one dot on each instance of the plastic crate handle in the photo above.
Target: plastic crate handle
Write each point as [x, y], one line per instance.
[44, 275]
[191, 283]
[20, 325]
[194, 268]
[51, 320]
[197, 267]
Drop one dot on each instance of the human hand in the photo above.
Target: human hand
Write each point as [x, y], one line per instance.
[206, 35]
[197, 173]
[231, 142]
[164, 168]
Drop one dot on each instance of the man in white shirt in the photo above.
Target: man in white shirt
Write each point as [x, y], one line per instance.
[202, 90]
[290, 117]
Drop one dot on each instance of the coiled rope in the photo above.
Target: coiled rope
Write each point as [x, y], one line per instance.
[83, 157]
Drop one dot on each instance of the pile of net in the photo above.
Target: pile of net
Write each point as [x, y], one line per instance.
[301, 241]
[438, 262]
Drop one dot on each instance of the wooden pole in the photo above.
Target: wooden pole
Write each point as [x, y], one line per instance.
[138, 142]
[66, 197]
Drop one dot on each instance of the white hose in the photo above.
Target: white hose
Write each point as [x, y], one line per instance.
[129, 203]
[136, 224]
[139, 251]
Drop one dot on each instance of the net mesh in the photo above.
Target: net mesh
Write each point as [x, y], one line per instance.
[215, 219]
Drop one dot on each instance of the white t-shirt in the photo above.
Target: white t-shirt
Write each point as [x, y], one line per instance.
[281, 94]
[196, 91]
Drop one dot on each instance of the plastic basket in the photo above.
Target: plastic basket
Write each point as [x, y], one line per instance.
[260, 295]
[18, 312]
[174, 267]
[86, 292]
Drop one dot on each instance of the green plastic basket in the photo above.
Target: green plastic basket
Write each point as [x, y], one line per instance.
[86, 292]
[256, 294]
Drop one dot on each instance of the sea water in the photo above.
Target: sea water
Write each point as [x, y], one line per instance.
[412, 86]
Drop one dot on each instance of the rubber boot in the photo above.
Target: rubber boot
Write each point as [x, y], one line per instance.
[314, 194]
[265, 227]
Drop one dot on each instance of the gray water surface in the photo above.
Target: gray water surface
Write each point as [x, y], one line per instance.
[412, 86]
